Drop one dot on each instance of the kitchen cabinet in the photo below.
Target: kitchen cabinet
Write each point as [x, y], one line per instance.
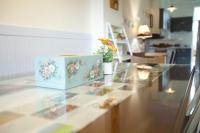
[183, 56]
[181, 53]
[181, 24]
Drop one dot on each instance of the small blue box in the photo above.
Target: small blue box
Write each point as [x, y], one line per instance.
[64, 72]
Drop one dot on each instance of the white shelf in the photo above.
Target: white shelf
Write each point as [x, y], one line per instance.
[121, 41]
[119, 37]
[124, 58]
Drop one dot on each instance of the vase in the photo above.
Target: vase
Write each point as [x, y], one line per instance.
[108, 80]
[108, 69]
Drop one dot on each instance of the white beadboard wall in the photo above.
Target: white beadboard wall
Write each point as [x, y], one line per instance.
[19, 46]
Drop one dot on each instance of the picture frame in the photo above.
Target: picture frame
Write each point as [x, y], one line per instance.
[114, 4]
[150, 20]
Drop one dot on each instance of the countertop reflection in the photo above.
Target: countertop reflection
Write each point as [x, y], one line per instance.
[158, 93]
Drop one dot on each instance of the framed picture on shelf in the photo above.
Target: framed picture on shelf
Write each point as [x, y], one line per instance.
[114, 4]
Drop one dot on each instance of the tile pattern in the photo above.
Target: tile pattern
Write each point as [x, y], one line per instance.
[57, 128]
[6, 117]
[55, 111]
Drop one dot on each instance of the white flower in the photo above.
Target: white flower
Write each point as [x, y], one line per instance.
[52, 68]
[98, 62]
[46, 72]
[45, 62]
[92, 74]
[77, 65]
[105, 49]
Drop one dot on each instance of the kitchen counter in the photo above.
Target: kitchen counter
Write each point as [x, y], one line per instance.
[163, 44]
[176, 53]
[140, 103]
[163, 48]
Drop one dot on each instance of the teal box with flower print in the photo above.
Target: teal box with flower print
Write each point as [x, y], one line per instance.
[64, 72]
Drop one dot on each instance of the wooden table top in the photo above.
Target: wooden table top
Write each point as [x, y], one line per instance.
[152, 108]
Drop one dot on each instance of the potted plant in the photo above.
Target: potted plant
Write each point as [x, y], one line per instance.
[107, 50]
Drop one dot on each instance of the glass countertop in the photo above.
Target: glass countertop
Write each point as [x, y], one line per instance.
[25, 107]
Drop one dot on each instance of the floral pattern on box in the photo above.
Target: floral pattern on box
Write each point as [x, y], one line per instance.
[73, 67]
[64, 72]
[95, 71]
[48, 69]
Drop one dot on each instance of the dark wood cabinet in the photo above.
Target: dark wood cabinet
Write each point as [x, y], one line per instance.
[181, 24]
[183, 56]
[161, 18]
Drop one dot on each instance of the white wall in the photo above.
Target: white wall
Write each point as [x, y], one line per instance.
[184, 7]
[62, 15]
[113, 16]
[82, 16]
[156, 16]
[20, 46]
[137, 12]
[32, 28]
[97, 23]
[101, 13]
[195, 28]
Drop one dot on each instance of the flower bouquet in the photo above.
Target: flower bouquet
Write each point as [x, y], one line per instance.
[107, 50]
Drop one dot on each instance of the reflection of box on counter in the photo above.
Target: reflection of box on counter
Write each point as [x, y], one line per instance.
[63, 72]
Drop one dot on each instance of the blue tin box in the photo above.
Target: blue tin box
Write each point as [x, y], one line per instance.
[64, 72]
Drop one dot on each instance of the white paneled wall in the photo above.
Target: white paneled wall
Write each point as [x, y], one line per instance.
[20, 46]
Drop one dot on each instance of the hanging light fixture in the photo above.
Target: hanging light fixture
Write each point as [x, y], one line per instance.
[171, 8]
